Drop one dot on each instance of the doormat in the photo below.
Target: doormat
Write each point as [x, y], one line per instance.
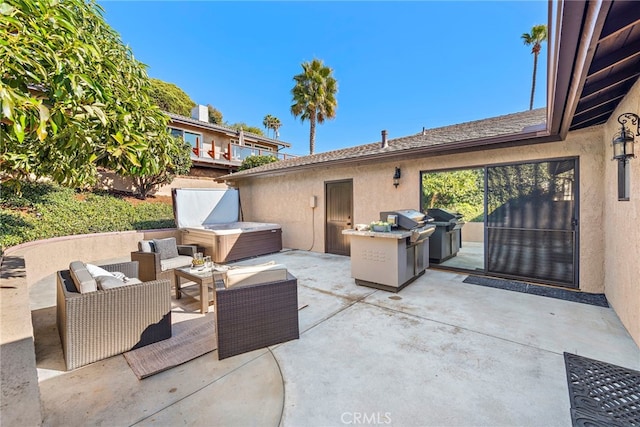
[544, 291]
[602, 394]
[189, 339]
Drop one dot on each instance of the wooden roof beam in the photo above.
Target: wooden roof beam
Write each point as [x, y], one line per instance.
[628, 53]
[609, 82]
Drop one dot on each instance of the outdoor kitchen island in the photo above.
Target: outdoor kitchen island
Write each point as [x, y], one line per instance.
[387, 260]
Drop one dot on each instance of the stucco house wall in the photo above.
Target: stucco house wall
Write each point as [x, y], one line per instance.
[622, 236]
[284, 199]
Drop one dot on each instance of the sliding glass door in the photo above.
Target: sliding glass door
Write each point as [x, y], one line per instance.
[531, 221]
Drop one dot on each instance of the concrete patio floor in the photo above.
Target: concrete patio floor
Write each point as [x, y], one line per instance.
[438, 353]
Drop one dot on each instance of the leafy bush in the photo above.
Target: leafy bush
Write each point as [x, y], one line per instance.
[255, 161]
[45, 210]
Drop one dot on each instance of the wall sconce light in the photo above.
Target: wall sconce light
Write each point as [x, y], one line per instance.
[623, 140]
[396, 177]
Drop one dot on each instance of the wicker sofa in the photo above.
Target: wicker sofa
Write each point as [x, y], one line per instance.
[98, 324]
[258, 311]
[154, 267]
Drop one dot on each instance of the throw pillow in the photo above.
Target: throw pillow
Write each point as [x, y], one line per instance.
[167, 248]
[145, 246]
[119, 275]
[96, 271]
[109, 282]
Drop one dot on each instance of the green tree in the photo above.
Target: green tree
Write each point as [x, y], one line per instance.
[459, 190]
[242, 125]
[534, 39]
[314, 96]
[175, 157]
[215, 116]
[255, 161]
[171, 98]
[72, 96]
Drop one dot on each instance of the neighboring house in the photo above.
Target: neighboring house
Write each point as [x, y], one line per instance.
[217, 149]
[586, 236]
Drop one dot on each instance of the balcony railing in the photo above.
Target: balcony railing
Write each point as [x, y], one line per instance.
[241, 152]
[234, 154]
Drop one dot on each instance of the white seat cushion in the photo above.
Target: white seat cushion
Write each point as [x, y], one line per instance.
[252, 275]
[179, 261]
[83, 280]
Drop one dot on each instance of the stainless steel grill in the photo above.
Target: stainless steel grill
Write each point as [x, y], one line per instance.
[445, 218]
[392, 260]
[447, 239]
[420, 224]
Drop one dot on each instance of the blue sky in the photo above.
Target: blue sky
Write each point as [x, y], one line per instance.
[400, 66]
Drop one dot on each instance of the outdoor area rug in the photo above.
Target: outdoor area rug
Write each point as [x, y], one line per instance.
[602, 394]
[190, 339]
[545, 291]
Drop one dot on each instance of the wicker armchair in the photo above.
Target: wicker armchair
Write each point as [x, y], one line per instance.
[151, 265]
[101, 324]
[255, 316]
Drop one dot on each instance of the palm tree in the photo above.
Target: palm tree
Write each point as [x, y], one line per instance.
[314, 96]
[535, 38]
[275, 125]
[271, 122]
[267, 122]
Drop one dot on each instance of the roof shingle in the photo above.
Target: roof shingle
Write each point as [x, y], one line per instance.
[511, 124]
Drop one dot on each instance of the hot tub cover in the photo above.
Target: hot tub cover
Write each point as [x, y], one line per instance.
[202, 207]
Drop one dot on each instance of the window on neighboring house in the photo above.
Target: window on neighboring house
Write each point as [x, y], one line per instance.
[195, 139]
[263, 147]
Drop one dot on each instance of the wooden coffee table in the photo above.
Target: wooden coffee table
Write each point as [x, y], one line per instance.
[204, 280]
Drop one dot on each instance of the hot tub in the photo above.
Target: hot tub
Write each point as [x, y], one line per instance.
[236, 240]
[209, 218]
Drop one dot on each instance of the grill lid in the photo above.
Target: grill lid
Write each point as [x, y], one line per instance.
[444, 215]
[407, 218]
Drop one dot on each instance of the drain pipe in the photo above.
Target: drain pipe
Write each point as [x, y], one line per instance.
[385, 144]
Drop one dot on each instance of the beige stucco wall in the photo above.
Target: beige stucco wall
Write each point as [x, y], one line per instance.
[622, 238]
[473, 232]
[45, 257]
[285, 199]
